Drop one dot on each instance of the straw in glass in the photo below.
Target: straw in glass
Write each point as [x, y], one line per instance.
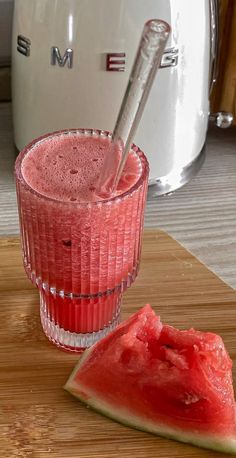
[146, 63]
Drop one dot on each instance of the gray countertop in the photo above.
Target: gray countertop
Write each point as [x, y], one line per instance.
[201, 215]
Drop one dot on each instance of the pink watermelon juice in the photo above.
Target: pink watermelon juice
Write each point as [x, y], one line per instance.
[81, 252]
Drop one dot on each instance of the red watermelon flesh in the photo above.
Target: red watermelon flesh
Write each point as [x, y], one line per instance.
[160, 379]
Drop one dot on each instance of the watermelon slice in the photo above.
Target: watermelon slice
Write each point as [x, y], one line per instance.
[156, 378]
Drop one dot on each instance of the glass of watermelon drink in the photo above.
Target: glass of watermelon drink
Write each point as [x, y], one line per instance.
[81, 251]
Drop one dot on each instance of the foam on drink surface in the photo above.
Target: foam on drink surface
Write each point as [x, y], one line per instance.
[67, 168]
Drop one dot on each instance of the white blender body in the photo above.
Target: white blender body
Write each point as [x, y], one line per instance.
[71, 61]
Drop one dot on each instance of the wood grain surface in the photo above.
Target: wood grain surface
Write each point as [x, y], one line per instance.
[38, 419]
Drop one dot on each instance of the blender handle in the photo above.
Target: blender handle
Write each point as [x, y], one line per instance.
[222, 119]
[214, 37]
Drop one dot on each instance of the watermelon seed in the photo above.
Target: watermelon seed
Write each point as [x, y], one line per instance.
[66, 242]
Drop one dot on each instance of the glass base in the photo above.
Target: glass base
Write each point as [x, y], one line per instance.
[70, 340]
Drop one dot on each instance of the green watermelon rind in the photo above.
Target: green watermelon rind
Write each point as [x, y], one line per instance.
[213, 442]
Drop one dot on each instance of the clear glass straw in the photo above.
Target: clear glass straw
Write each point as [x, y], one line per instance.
[146, 63]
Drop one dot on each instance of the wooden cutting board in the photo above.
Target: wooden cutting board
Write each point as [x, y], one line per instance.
[37, 417]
